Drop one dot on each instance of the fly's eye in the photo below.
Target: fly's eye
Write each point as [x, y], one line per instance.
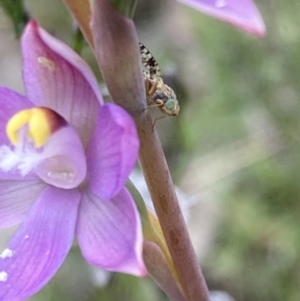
[170, 104]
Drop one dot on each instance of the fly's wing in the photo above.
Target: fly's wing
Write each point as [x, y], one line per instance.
[150, 65]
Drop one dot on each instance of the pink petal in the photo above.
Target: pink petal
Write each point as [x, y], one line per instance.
[64, 162]
[56, 77]
[112, 151]
[109, 233]
[16, 197]
[240, 13]
[10, 103]
[40, 245]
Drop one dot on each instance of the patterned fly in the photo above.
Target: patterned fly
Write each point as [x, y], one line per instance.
[158, 93]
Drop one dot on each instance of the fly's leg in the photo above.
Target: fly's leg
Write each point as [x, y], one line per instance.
[158, 103]
[158, 118]
[150, 90]
[150, 87]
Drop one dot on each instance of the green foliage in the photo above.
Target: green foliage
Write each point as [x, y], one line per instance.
[16, 11]
[78, 41]
[254, 81]
[126, 7]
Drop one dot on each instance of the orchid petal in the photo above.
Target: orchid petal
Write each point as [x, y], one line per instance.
[240, 13]
[56, 77]
[16, 197]
[63, 163]
[10, 103]
[112, 151]
[40, 245]
[109, 233]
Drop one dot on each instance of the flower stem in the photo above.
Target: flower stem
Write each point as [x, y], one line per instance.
[161, 188]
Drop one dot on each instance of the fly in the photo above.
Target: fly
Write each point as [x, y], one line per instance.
[158, 93]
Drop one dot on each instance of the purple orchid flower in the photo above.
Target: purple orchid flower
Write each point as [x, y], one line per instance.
[240, 13]
[63, 170]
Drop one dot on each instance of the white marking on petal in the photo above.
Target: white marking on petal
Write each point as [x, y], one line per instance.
[26, 236]
[3, 276]
[23, 157]
[46, 63]
[7, 253]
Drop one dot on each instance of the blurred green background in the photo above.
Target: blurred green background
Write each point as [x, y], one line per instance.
[234, 148]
